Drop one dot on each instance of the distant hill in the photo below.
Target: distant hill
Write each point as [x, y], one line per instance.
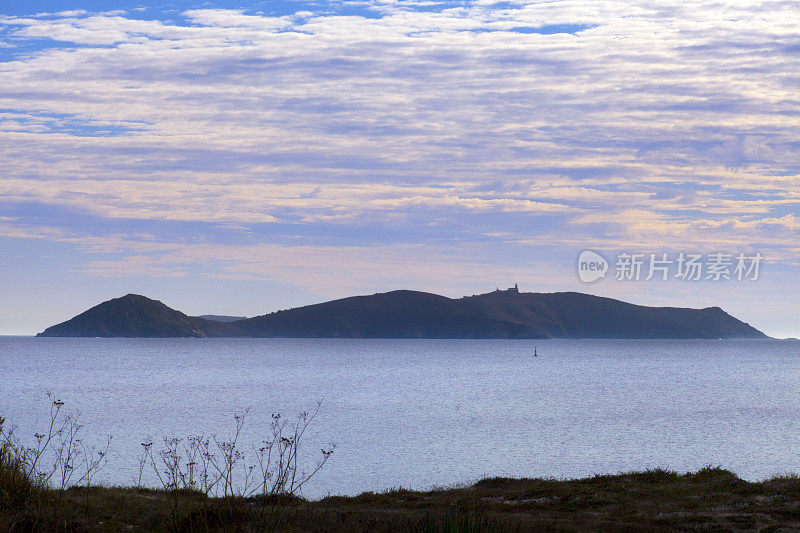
[135, 316]
[397, 314]
[507, 314]
[222, 318]
[574, 315]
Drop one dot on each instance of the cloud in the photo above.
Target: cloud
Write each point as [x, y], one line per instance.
[229, 18]
[64, 14]
[528, 123]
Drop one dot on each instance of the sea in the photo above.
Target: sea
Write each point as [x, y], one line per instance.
[419, 414]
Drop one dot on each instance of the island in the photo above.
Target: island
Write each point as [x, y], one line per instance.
[407, 314]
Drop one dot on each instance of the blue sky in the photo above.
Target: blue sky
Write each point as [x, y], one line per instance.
[245, 157]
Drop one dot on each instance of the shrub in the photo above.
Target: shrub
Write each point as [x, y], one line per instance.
[222, 467]
[59, 458]
[16, 486]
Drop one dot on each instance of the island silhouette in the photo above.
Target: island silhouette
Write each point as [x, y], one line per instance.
[401, 314]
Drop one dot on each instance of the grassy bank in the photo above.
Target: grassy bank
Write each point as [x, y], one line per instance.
[710, 499]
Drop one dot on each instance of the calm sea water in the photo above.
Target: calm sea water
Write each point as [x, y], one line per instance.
[420, 413]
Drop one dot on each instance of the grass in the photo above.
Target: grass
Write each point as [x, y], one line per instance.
[16, 486]
[712, 499]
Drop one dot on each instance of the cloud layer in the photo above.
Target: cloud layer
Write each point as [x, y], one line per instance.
[532, 129]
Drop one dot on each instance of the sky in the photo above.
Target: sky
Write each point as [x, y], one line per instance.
[239, 158]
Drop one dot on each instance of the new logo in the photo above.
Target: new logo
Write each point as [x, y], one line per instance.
[591, 266]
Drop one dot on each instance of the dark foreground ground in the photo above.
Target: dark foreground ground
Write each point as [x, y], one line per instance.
[711, 499]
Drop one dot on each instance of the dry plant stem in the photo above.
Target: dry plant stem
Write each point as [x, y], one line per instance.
[184, 468]
[278, 457]
[53, 461]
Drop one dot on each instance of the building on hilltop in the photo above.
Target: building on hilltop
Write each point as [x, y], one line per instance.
[514, 289]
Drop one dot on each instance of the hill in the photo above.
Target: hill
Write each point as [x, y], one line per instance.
[133, 315]
[507, 314]
[397, 314]
[574, 315]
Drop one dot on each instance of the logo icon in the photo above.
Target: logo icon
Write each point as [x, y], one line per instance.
[591, 266]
